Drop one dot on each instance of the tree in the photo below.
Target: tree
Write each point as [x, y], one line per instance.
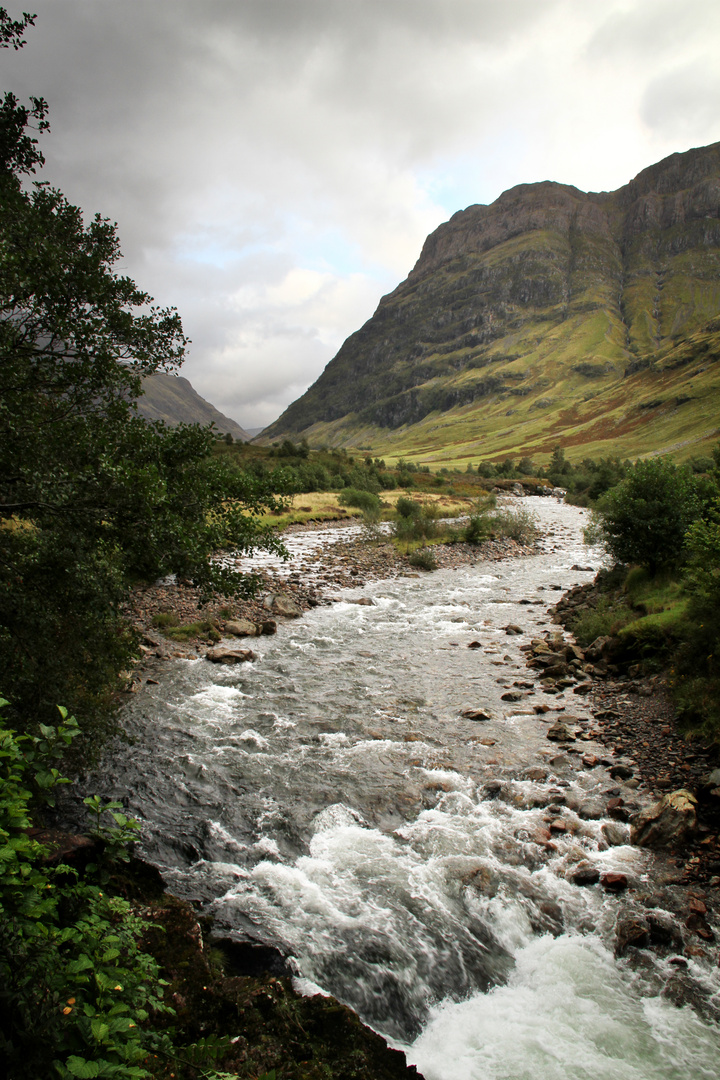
[645, 518]
[92, 496]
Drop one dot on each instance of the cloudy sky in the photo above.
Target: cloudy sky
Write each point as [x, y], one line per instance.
[275, 165]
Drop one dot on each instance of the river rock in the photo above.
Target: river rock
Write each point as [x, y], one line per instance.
[667, 823]
[598, 648]
[475, 645]
[364, 601]
[241, 628]
[615, 834]
[559, 732]
[585, 873]
[512, 695]
[631, 931]
[287, 607]
[229, 656]
[511, 629]
[613, 881]
[476, 714]
[268, 626]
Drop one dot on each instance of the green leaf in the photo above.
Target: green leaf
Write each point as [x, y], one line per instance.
[82, 1068]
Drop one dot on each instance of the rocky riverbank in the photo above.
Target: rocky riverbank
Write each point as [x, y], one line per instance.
[280, 597]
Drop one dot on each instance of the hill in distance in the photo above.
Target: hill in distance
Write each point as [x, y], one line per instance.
[550, 317]
[171, 398]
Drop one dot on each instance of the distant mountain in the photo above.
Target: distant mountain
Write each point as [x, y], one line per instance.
[172, 399]
[254, 431]
[552, 316]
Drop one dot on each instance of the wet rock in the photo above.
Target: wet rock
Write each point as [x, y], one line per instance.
[598, 648]
[268, 626]
[621, 772]
[475, 645]
[615, 834]
[546, 918]
[512, 695]
[559, 732]
[364, 601]
[535, 772]
[614, 882]
[541, 709]
[631, 931]
[511, 629]
[664, 931]
[585, 873]
[667, 823]
[229, 656]
[476, 714]
[698, 924]
[583, 688]
[682, 990]
[249, 958]
[280, 604]
[241, 628]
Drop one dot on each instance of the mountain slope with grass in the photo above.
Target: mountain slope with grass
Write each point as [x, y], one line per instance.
[550, 316]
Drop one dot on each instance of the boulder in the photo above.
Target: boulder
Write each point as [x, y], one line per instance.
[615, 834]
[598, 648]
[613, 881]
[667, 823]
[632, 930]
[229, 656]
[241, 628]
[476, 714]
[268, 626]
[280, 604]
[559, 732]
[585, 873]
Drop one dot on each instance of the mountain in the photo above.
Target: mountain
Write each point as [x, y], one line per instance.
[550, 317]
[171, 398]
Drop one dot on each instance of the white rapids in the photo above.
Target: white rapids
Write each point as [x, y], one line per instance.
[330, 799]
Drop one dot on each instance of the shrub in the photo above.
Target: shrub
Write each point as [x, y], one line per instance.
[517, 525]
[645, 518]
[362, 500]
[408, 508]
[423, 559]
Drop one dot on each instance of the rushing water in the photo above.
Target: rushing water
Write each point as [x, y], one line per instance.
[329, 799]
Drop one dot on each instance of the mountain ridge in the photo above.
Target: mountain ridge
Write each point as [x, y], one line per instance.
[534, 306]
[173, 399]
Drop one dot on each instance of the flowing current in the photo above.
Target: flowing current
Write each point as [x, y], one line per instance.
[330, 799]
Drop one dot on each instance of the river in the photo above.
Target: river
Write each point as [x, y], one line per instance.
[330, 799]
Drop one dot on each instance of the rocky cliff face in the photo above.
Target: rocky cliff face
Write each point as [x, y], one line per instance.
[532, 306]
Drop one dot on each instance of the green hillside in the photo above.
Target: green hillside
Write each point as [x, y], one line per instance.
[550, 317]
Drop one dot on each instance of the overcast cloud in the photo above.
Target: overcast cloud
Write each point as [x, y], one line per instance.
[275, 165]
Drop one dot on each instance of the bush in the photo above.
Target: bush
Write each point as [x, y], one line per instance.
[423, 559]
[645, 518]
[362, 500]
[517, 525]
[408, 508]
[79, 996]
[697, 673]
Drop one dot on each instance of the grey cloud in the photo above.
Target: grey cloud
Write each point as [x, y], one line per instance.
[685, 103]
[237, 141]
